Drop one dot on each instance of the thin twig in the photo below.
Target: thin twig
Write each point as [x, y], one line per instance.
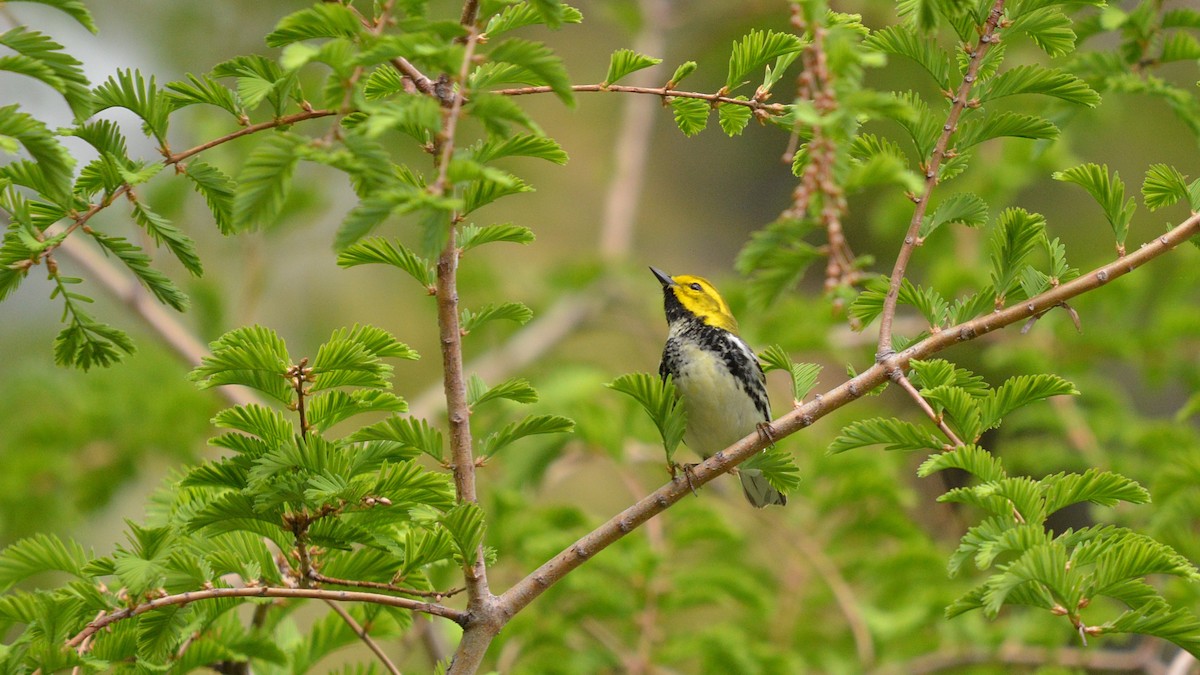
[364, 636]
[843, 594]
[535, 583]
[283, 121]
[959, 103]
[663, 92]
[436, 595]
[901, 379]
[264, 592]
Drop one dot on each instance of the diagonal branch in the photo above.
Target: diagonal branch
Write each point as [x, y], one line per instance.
[901, 379]
[957, 105]
[553, 570]
[364, 636]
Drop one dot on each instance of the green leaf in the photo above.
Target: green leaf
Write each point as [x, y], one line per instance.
[383, 82]
[804, 375]
[1161, 620]
[658, 398]
[970, 458]
[408, 432]
[40, 57]
[733, 118]
[86, 342]
[777, 466]
[37, 554]
[1108, 190]
[756, 50]
[937, 372]
[204, 90]
[996, 125]
[906, 41]
[346, 363]
[160, 633]
[686, 68]
[962, 207]
[252, 356]
[264, 182]
[328, 408]
[128, 89]
[377, 341]
[1049, 29]
[1017, 232]
[1020, 391]
[1031, 79]
[510, 311]
[164, 233]
[626, 61]
[488, 189]
[531, 425]
[520, 145]
[524, 14]
[139, 263]
[496, 113]
[218, 190]
[691, 114]
[515, 389]
[465, 524]
[418, 117]
[1180, 46]
[378, 250]
[54, 165]
[1098, 487]
[472, 235]
[540, 60]
[960, 410]
[894, 434]
[1164, 186]
[72, 8]
[325, 20]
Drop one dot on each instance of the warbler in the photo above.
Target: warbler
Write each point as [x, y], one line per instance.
[716, 374]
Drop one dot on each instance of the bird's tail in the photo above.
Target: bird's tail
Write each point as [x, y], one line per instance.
[758, 491]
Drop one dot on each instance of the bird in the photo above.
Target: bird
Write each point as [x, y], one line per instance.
[716, 374]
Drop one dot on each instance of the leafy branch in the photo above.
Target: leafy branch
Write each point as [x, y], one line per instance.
[959, 102]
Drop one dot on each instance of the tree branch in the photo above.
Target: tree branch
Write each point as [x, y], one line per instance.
[364, 636]
[284, 121]
[957, 105]
[526, 590]
[901, 379]
[264, 592]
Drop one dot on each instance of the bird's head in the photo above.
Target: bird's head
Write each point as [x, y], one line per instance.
[687, 296]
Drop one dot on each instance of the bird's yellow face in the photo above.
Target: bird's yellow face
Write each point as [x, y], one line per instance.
[699, 297]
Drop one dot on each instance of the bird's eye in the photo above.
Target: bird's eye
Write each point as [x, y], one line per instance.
[695, 287]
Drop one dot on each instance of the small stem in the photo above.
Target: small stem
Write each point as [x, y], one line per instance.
[769, 108]
[364, 636]
[899, 378]
[436, 595]
[286, 120]
[961, 98]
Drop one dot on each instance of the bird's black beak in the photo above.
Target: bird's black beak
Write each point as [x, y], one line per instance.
[663, 278]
